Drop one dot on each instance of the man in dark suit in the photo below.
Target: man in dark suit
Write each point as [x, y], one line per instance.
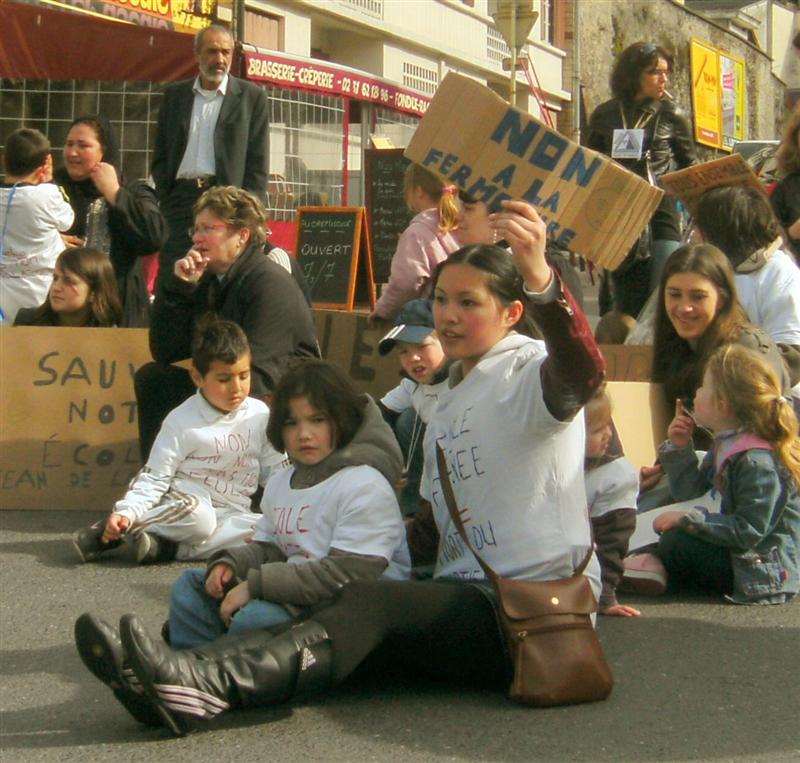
[212, 130]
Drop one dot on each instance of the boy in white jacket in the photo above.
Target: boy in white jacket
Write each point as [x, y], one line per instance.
[193, 495]
[32, 212]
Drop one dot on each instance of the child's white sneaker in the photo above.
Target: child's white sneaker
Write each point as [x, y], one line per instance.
[644, 574]
[151, 549]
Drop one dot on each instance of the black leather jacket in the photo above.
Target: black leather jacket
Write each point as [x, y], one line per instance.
[668, 144]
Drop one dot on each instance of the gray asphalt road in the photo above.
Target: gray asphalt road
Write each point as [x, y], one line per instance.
[696, 680]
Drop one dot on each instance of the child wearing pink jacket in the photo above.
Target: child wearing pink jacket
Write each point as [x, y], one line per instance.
[426, 241]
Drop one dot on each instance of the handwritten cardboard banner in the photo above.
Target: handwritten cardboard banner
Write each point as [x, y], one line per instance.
[68, 418]
[69, 432]
[690, 184]
[471, 137]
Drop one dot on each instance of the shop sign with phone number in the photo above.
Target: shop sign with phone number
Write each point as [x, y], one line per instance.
[328, 79]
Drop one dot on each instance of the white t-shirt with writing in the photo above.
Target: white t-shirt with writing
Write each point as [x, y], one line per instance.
[517, 472]
[354, 510]
[219, 457]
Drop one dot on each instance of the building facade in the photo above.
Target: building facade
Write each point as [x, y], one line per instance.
[341, 76]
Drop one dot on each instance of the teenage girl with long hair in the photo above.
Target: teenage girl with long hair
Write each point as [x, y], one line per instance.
[83, 293]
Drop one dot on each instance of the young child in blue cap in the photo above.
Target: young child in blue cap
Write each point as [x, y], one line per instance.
[408, 406]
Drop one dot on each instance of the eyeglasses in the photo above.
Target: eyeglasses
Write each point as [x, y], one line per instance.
[648, 49]
[205, 230]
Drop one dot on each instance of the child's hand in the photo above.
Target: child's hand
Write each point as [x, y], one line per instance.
[681, 427]
[667, 521]
[191, 267]
[70, 240]
[649, 477]
[520, 225]
[218, 579]
[620, 610]
[115, 527]
[235, 599]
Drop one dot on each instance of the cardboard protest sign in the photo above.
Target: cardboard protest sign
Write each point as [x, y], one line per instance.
[472, 138]
[346, 340]
[690, 184]
[628, 362]
[68, 411]
[641, 417]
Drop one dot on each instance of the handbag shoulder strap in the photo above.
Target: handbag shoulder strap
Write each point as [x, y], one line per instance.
[452, 508]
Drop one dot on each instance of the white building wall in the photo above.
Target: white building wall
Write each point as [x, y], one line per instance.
[785, 63]
[377, 36]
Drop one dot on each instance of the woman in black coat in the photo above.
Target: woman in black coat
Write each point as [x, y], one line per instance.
[120, 217]
[642, 114]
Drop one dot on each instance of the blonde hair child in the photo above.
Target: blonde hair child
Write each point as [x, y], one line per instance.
[749, 549]
[422, 187]
[427, 241]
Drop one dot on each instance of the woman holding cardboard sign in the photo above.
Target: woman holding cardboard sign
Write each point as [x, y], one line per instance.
[512, 442]
[647, 133]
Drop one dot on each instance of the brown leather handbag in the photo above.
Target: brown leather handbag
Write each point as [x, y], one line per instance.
[556, 655]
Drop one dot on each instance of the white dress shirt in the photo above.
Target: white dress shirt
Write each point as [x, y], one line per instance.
[198, 159]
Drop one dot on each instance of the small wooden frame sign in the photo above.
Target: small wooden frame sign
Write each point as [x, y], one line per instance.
[334, 252]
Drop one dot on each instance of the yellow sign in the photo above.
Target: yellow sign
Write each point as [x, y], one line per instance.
[706, 94]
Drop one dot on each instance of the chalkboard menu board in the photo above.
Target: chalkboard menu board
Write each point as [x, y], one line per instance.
[386, 204]
[334, 254]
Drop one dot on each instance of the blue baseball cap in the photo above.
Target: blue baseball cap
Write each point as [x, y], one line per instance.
[413, 324]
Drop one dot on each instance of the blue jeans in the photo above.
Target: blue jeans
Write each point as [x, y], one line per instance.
[194, 616]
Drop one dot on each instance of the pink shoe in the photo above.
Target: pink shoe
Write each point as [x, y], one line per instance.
[644, 574]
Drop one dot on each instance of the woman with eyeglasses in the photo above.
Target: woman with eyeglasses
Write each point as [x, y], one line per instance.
[643, 129]
[228, 271]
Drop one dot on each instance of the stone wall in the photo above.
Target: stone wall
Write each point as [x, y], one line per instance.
[606, 27]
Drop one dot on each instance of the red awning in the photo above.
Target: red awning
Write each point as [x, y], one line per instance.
[39, 43]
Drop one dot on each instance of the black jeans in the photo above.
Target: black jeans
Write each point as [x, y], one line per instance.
[159, 388]
[177, 211]
[695, 564]
[439, 630]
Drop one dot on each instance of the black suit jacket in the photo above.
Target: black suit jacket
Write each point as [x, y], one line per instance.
[241, 137]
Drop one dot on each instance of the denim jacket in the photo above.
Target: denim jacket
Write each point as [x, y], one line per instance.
[759, 521]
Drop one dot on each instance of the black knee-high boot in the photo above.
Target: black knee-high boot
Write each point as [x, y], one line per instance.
[242, 670]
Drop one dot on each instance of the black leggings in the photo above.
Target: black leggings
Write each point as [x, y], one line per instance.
[436, 630]
[159, 388]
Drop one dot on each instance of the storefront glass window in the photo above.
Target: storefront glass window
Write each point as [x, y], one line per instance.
[306, 134]
[394, 125]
